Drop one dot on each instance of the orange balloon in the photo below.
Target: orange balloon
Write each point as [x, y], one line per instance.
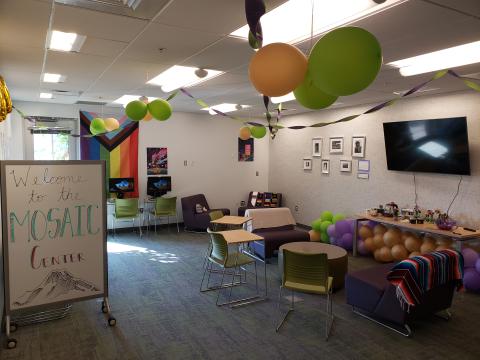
[392, 237]
[378, 241]
[379, 229]
[412, 243]
[385, 254]
[277, 69]
[369, 245]
[148, 117]
[427, 247]
[399, 252]
[314, 235]
[365, 232]
[244, 133]
[414, 253]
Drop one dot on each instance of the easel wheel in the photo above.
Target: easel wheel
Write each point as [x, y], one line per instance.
[11, 343]
[104, 308]
[112, 321]
[13, 327]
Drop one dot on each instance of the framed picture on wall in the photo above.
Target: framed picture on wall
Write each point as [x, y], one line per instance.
[317, 147]
[364, 165]
[307, 164]
[358, 146]
[336, 145]
[157, 161]
[345, 165]
[325, 166]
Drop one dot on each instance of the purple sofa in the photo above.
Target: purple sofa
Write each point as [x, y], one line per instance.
[193, 221]
[374, 297]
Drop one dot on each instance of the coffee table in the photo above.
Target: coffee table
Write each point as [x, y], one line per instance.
[337, 258]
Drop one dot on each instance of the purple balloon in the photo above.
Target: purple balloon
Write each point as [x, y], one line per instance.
[342, 227]
[347, 241]
[477, 265]
[470, 257]
[331, 230]
[352, 225]
[362, 250]
[372, 223]
[471, 280]
[333, 240]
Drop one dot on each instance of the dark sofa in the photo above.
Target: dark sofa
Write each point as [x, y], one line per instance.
[194, 221]
[274, 202]
[373, 296]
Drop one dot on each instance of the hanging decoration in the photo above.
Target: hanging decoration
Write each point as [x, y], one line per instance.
[6, 105]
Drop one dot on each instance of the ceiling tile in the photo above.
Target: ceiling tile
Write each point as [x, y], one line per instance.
[101, 47]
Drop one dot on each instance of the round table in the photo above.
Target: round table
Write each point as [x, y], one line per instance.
[337, 258]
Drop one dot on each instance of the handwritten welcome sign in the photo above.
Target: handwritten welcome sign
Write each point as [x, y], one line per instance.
[53, 226]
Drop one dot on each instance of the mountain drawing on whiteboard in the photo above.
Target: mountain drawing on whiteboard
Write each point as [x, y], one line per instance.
[56, 283]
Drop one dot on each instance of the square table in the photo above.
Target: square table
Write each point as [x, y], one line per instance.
[231, 221]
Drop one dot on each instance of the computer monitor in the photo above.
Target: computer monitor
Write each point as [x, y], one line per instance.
[120, 186]
[158, 185]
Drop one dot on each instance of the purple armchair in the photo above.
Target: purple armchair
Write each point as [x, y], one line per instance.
[193, 221]
[374, 297]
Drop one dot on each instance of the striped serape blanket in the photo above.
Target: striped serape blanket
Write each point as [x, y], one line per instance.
[415, 276]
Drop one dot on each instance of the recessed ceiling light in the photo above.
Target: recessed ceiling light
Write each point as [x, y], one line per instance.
[63, 41]
[282, 99]
[438, 60]
[44, 95]
[53, 78]
[225, 107]
[125, 99]
[290, 22]
[181, 76]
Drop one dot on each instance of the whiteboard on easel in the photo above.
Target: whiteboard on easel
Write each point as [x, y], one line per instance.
[54, 232]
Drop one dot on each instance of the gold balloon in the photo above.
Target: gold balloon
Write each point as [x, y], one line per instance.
[314, 235]
[244, 133]
[414, 253]
[399, 252]
[111, 124]
[6, 95]
[413, 243]
[427, 247]
[3, 108]
[378, 241]
[277, 69]
[148, 117]
[365, 232]
[369, 245]
[385, 254]
[392, 237]
[379, 229]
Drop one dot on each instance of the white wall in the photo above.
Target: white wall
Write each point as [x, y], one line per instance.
[341, 192]
[209, 144]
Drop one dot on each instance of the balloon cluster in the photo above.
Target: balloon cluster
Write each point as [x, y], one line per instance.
[332, 229]
[100, 126]
[6, 105]
[471, 276]
[391, 244]
[141, 109]
[257, 132]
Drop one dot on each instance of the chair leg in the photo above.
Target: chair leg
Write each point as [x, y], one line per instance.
[278, 309]
[256, 277]
[203, 277]
[221, 285]
[178, 228]
[329, 320]
[155, 224]
[168, 221]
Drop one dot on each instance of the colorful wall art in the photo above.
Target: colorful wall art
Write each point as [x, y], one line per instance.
[245, 150]
[157, 161]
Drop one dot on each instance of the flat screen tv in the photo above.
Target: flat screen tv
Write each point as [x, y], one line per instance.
[121, 185]
[435, 146]
[158, 185]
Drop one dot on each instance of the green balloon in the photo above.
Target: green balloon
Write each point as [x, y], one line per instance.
[324, 225]
[258, 132]
[345, 61]
[326, 216]
[324, 238]
[136, 110]
[311, 97]
[338, 217]
[97, 126]
[317, 225]
[160, 109]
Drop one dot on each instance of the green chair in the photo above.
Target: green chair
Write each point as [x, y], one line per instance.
[306, 273]
[214, 215]
[126, 209]
[221, 257]
[164, 207]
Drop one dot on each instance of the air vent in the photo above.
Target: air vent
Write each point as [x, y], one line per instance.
[82, 102]
[67, 92]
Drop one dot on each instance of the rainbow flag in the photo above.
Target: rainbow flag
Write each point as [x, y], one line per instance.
[118, 148]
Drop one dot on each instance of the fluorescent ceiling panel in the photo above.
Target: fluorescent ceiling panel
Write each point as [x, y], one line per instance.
[181, 76]
[46, 95]
[125, 99]
[291, 22]
[63, 41]
[225, 107]
[438, 60]
[53, 78]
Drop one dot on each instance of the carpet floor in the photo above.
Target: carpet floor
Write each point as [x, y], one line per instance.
[154, 293]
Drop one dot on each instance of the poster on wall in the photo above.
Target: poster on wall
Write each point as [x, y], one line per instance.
[54, 221]
[245, 150]
[157, 161]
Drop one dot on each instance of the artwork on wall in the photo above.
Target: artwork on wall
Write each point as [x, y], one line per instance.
[363, 176]
[345, 165]
[364, 165]
[245, 150]
[307, 164]
[325, 166]
[317, 147]
[157, 161]
[358, 146]
[336, 145]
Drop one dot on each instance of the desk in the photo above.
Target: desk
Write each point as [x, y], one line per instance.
[240, 238]
[458, 235]
[232, 220]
